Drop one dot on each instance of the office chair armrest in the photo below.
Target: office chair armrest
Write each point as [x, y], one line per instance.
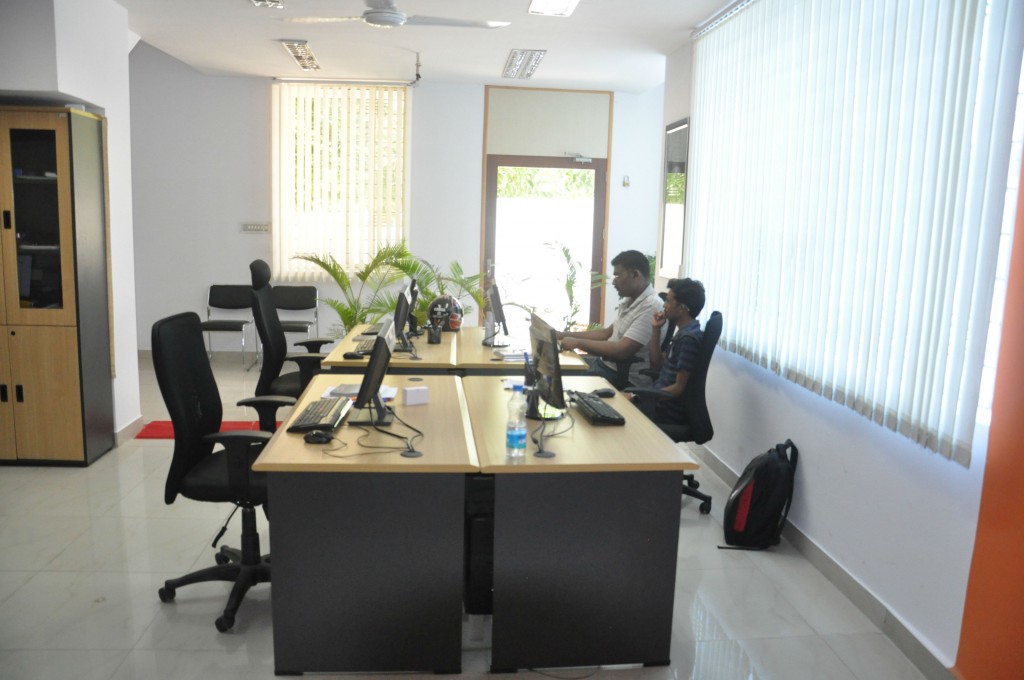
[314, 345]
[266, 409]
[239, 447]
[309, 365]
[645, 393]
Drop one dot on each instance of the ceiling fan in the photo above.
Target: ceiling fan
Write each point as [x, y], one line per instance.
[384, 14]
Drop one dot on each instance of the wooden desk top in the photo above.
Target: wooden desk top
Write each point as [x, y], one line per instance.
[474, 355]
[432, 357]
[637, 445]
[447, 445]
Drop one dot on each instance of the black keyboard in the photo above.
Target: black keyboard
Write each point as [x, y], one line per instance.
[366, 346]
[373, 330]
[596, 411]
[322, 414]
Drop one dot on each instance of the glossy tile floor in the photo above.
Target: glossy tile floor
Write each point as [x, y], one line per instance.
[83, 552]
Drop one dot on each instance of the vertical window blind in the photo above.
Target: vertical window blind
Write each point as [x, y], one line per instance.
[338, 174]
[847, 177]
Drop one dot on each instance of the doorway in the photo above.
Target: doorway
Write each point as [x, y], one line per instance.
[544, 225]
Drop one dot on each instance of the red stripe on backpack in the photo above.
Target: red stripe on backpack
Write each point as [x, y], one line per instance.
[743, 508]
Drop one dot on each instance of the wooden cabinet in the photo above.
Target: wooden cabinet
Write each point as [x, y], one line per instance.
[56, 401]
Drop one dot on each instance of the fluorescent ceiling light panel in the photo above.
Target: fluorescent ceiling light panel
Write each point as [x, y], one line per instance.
[522, 63]
[303, 55]
[553, 8]
[272, 4]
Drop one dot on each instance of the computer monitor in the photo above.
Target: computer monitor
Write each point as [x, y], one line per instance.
[544, 373]
[401, 319]
[414, 295]
[495, 320]
[368, 408]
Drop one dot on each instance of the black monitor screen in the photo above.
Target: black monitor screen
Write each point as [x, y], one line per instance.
[496, 309]
[374, 376]
[401, 313]
[546, 367]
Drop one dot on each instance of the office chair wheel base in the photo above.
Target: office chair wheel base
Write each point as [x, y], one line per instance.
[705, 507]
[225, 623]
[693, 483]
[221, 558]
[166, 594]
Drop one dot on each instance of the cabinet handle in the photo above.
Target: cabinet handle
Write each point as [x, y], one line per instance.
[7, 219]
[19, 394]
[3, 394]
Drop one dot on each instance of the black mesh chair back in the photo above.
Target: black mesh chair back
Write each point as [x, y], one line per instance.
[268, 325]
[189, 391]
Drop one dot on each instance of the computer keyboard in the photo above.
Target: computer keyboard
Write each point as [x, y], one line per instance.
[322, 414]
[596, 411]
[366, 346]
[374, 329]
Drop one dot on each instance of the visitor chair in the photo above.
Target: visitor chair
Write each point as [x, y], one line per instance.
[208, 465]
[297, 299]
[275, 346]
[228, 298]
[696, 427]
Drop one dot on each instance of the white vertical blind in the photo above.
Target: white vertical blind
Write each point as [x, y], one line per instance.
[847, 174]
[338, 174]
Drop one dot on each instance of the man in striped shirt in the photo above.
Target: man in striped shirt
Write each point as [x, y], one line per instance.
[683, 303]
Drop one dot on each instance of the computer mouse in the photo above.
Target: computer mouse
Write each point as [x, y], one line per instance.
[353, 355]
[318, 437]
[604, 392]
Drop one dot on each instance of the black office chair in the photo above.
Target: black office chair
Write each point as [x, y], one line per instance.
[228, 297]
[275, 345]
[696, 427]
[200, 472]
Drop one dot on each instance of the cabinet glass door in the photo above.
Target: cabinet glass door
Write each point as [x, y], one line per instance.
[37, 233]
[36, 218]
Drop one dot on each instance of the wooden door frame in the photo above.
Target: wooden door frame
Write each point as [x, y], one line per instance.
[597, 254]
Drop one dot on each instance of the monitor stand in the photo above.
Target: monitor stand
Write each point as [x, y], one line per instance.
[495, 340]
[538, 409]
[373, 414]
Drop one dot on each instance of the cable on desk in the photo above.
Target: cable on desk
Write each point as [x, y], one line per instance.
[565, 677]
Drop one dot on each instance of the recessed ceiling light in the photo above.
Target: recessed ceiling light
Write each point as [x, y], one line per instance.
[272, 4]
[302, 54]
[553, 8]
[522, 63]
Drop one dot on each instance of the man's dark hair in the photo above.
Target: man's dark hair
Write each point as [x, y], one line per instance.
[634, 259]
[689, 292]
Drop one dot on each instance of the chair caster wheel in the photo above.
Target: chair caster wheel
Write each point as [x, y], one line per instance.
[693, 483]
[225, 623]
[705, 507]
[221, 558]
[166, 594]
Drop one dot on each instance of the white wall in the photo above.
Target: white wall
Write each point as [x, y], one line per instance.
[89, 40]
[202, 168]
[900, 520]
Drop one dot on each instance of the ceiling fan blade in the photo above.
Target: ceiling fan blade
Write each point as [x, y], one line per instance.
[458, 23]
[319, 20]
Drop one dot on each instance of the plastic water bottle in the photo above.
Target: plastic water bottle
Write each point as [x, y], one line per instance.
[515, 431]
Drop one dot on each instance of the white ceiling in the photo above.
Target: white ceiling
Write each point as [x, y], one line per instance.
[615, 45]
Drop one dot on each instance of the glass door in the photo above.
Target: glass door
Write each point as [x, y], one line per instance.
[37, 220]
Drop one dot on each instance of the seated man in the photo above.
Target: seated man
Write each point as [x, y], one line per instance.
[683, 302]
[628, 336]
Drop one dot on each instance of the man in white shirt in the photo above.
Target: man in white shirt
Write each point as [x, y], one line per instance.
[628, 336]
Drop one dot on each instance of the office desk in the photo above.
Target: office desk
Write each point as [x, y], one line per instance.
[585, 542]
[433, 359]
[368, 549]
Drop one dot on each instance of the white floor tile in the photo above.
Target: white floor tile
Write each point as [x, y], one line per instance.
[64, 664]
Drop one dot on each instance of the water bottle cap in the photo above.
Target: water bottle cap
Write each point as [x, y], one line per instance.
[517, 388]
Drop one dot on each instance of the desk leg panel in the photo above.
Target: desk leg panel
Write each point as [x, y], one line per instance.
[584, 568]
[367, 571]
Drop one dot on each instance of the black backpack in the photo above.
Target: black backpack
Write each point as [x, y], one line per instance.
[758, 505]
